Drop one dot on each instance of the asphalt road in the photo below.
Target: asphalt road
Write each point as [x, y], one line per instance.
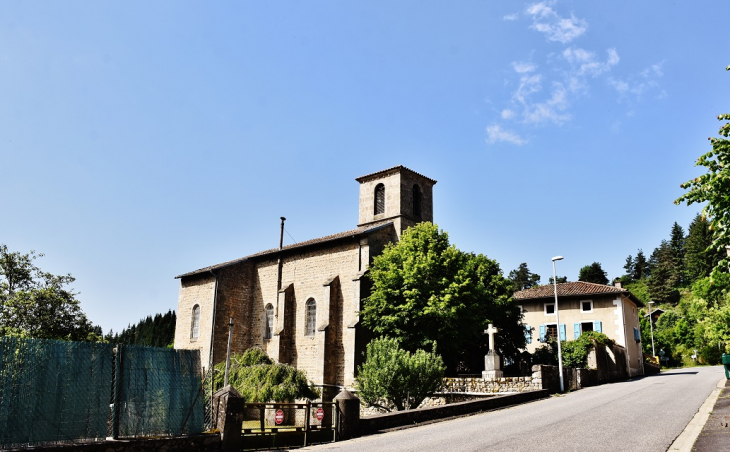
[644, 414]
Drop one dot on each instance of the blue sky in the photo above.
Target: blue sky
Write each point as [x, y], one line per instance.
[142, 140]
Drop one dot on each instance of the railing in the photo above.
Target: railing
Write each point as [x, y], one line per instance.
[275, 425]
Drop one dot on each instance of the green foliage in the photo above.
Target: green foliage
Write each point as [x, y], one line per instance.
[665, 276]
[640, 289]
[522, 278]
[37, 304]
[574, 353]
[426, 291]
[152, 332]
[700, 258]
[561, 279]
[395, 378]
[593, 273]
[258, 379]
[713, 188]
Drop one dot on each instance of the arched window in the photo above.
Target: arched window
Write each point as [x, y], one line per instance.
[195, 324]
[311, 318]
[379, 199]
[269, 327]
[417, 201]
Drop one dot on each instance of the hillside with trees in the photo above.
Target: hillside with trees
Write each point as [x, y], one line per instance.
[157, 331]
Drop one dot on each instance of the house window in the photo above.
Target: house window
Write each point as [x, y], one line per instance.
[195, 323]
[551, 332]
[379, 199]
[417, 201]
[549, 308]
[269, 327]
[311, 318]
[581, 327]
[586, 306]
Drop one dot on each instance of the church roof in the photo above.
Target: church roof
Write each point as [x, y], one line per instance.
[321, 240]
[574, 289]
[394, 169]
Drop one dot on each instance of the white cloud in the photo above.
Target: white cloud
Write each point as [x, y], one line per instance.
[587, 63]
[508, 114]
[496, 134]
[522, 67]
[529, 84]
[511, 17]
[556, 28]
[552, 110]
[636, 86]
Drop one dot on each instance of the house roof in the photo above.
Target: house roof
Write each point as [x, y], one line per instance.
[574, 289]
[318, 241]
[391, 170]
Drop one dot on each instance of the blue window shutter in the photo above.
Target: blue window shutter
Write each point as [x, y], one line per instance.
[528, 334]
[576, 330]
[597, 326]
[637, 335]
[542, 333]
[562, 332]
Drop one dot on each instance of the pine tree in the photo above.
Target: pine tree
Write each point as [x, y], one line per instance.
[699, 259]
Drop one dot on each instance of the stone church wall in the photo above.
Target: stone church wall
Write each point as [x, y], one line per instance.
[195, 290]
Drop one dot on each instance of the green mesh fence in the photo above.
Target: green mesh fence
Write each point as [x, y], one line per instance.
[53, 391]
[158, 392]
[61, 392]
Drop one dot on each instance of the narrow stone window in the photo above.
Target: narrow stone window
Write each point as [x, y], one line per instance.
[195, 324]
[417, 201]
[379, 199]
[269, 327]
[311, 318]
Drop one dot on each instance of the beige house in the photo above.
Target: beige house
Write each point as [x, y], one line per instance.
[300, 302]
[584, 306]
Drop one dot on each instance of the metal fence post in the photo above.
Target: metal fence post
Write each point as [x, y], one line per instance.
[308, 408]
[117, 386]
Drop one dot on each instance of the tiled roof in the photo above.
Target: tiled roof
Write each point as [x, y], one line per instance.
[393, 169]
[573, 289]
[325, 239]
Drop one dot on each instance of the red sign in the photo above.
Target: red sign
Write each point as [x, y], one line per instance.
[279, 418]
[320, 414]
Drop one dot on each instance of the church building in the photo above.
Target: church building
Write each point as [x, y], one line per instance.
[300, 302]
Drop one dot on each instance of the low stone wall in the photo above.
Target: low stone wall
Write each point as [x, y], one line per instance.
[386, 421]
[491, 386]
[204, 442]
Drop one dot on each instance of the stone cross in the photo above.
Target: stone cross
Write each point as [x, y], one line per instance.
[491, 331]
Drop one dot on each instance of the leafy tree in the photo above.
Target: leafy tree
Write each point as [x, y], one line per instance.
[700, 258]
[713, 188]
[522, 278]
[561, 279]
[593, 273]
[37, 304]
[426, 292]
[395, 378]
[258, 379]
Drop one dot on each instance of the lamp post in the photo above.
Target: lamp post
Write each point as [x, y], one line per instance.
[557, 319]
[651, 326]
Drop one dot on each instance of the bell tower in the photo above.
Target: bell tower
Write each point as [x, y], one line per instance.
[398, 195]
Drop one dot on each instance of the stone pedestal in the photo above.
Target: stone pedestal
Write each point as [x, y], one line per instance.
[492, 366]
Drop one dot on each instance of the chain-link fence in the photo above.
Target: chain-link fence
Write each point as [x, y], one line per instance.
[60, 392]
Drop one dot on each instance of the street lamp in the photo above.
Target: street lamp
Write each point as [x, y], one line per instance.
[557, 319]
[651, 326]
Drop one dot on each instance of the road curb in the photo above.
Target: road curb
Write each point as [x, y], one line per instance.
[687, 438]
